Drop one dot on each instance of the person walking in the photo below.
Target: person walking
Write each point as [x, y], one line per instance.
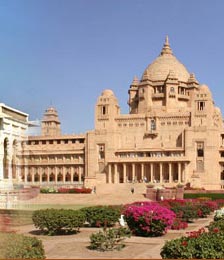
[132, 190]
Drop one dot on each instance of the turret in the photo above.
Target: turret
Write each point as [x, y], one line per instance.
[106, 110]
[50, 125]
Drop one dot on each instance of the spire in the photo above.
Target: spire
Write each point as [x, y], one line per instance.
[192, 79]
[166, 47]
[135, 81]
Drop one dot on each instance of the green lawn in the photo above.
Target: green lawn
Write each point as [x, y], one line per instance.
[23, 215]
[47, 206]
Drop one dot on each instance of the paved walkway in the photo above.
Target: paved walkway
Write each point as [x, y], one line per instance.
[76, 246]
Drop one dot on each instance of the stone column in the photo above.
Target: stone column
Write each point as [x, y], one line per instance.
[32, 175]
[151, 172]
[170, 173]
[80, 173]
[1, 167]
[72, 174]
[18, 172]
[63, 174]
[109, 173]
[125, 172]
[142, 171]
[10, 168]
[179, 172]
[56, 174]
[48, 174]
[25, 173]
[184, 174]
[160, 172]
[40, 174]
[115, 174]
[133, 171]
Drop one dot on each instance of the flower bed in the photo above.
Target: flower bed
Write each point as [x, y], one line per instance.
[66, 190]
[74, 190]
[197, 245]
[148, 218]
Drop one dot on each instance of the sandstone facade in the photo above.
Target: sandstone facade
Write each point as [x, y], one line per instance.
[173, 134]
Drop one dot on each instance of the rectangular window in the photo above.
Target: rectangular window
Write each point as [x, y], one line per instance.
[104, 110]
[201, 105]
[200, 149]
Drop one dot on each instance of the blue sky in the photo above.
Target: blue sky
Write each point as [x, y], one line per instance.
[66, 52]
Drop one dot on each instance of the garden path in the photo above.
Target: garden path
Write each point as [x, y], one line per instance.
[75, 246]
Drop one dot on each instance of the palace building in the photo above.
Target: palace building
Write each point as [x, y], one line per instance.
[13, 131]
[173, 134]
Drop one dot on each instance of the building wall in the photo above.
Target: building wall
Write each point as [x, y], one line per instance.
[173, 134]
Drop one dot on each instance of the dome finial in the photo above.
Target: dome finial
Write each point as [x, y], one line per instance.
[166, 47]
[167, 40]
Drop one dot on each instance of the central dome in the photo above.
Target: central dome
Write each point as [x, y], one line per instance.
[160, 68]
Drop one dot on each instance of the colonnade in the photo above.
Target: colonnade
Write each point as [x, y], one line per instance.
[53, 174]
[9, 162]
[160, 172]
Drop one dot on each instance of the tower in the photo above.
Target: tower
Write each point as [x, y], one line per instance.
[50, 125]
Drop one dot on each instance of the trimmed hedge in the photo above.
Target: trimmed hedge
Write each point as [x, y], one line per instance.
[100, 216]
[17, 246]
[62, 190]
[58, 221]
[213, 196]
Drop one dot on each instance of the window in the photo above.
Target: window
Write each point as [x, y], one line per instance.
[172, 90]
[201, 105]
[153, 124]
[101, 148]
[200, 149]
[104, 110]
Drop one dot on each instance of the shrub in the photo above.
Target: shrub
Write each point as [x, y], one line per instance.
[219, 214]
[99, 216]
[54, 221]
[213, 196]
[179, 224]
[18, 246]
[48, 190]
[188, 210]
[109, 239]
[197, 245]
[65, 190]
[148, 218]
[216, 226]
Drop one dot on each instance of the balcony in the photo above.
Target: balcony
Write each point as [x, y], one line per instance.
[151, 133]
[158, 95]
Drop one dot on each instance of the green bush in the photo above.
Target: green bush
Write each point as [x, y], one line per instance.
[213, 196]
[100, 216]
[109, 239]
[216, 226]
[58, 221]
[198, 245]
[17, 246]
[187, 212]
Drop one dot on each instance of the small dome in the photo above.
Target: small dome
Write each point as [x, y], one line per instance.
[107, 92]
[160, 68]
[204, 88]
[51, 109]
[217, 110]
